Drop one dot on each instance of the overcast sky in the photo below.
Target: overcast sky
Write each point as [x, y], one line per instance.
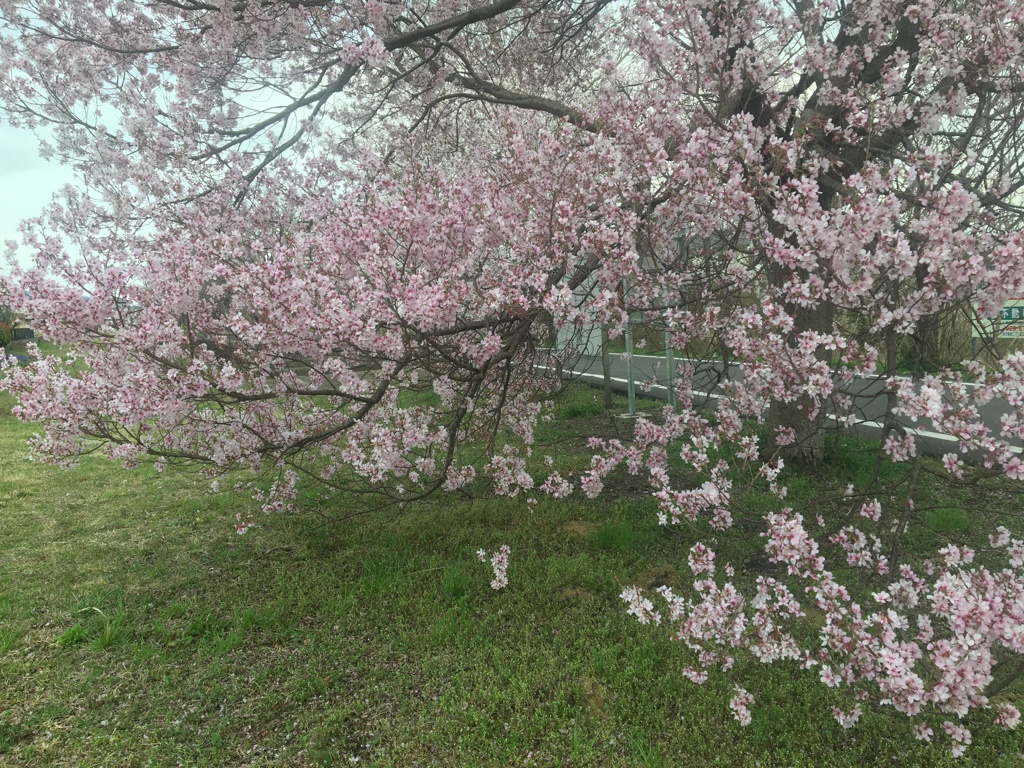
[26, 181]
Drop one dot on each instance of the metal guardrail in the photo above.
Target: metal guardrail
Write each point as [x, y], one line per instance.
[869, 395]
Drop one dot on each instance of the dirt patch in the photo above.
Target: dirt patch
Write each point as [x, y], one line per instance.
[575, 595]
[580, 529]
[605, 426]
[659, 576]
[595, 697]
[620, 484]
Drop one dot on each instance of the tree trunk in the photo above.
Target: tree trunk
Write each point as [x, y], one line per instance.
[808, 449]
[927, 354]
[928, 357]
[606, 368]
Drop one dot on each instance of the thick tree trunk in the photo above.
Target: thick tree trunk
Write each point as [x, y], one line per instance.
[927, 353]
[606, 368]
[808, 449]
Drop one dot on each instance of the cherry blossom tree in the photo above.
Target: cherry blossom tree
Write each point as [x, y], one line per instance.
[293, 213]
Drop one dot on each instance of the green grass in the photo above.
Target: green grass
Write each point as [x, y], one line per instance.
[137, 629]
[45, 347]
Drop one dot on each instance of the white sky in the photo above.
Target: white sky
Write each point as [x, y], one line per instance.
[27, 182]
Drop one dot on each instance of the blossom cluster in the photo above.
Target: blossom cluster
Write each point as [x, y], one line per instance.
[360, 285]
[919, 645]
[499, 563]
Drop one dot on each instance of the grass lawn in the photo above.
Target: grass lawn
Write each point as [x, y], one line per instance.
[137, 629]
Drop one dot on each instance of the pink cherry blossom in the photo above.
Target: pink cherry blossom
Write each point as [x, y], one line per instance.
[499, 564]
[345, 244]
[740, 706]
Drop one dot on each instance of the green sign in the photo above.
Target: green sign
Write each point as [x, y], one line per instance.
[1009, 324]
[1012, 312]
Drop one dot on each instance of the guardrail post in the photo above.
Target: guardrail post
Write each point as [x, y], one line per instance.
[606, 368]
[670, 361]
[630, 387]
